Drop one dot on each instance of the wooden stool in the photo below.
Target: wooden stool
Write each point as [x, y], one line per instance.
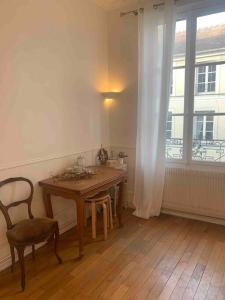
[104, 200]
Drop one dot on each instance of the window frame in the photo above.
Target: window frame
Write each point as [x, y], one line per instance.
[191, 15]
[172, 83]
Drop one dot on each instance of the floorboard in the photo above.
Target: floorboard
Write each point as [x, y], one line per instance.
[163, 258]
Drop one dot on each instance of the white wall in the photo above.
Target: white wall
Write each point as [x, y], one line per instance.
[123, 72]
[53, 63]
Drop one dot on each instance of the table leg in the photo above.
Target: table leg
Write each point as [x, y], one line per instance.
[120, 203]
[80, 225]
[48, 204]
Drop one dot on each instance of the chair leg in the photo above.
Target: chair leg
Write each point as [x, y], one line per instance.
[56, 239]
[105, 220]
[93, 219]
[110, 214]
[13, 257]
[85, 217]
[20, 252]
[33, 252]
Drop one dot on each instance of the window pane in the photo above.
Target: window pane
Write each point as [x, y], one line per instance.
[210, 38]
[201, 87]
[210, 95]
[210, 118]
[209, 139]
[209, 126]
[209, 135]
[209, 58]
[212, 77]
[211, 87]
[176, 104]
[201, 69]
[201, 78]
[174, 138]
[198, 127]
[180, 44]
[210, 51]
[212, 68]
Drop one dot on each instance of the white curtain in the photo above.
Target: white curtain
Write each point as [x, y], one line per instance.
[156, 39]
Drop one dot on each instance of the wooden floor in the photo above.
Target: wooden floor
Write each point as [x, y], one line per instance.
[163, 258]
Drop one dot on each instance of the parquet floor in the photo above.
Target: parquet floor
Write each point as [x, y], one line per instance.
[163, 258]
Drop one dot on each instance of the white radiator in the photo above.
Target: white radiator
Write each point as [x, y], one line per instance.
[196, 192]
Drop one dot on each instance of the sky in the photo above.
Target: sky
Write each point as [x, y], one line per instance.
[203, 22]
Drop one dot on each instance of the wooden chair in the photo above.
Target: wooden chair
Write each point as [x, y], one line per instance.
[27, 232]
[103, 199]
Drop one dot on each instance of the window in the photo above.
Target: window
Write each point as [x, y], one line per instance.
[203, 127]
[206, 79]
[195, 128]
[169, 126]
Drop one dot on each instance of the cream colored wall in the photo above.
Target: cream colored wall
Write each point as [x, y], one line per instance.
[123, 75]
[53, 63]
[123, 71]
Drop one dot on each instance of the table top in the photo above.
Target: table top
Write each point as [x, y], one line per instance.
[104, 175]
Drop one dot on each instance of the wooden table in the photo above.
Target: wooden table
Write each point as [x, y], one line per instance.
[79, 190]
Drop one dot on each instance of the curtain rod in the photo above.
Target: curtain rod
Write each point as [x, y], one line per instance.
[132, 12]
[155, 6]
[141, 10]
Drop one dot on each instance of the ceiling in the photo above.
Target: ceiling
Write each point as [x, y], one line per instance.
[114, 4]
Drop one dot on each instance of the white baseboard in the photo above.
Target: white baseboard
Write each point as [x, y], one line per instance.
[193, 216]
[129, 195]
[6, 261]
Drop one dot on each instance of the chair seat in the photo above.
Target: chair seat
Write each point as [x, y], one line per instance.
[99, 197]
[31, 230]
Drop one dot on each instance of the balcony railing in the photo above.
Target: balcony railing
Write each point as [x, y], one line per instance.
[174, 148]
[202, 150]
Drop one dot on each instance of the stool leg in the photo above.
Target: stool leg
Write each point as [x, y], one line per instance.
[86, 211]
[116, 191]
[110, 213]
[105, 220]
[93, 219]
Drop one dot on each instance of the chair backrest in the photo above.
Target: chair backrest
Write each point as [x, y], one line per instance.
[5, 208]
